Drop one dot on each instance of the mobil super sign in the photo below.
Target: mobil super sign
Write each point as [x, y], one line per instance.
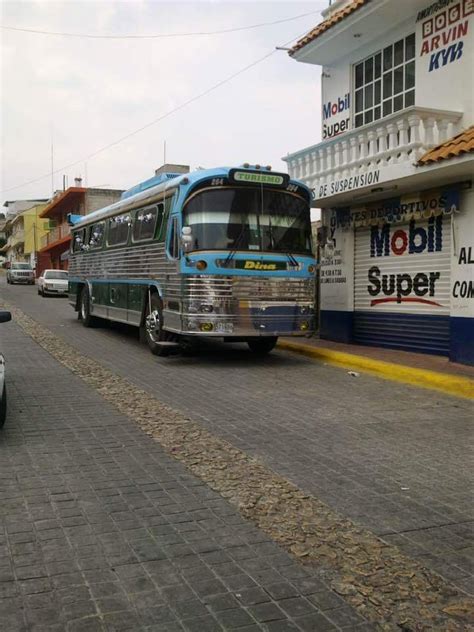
[405, 287]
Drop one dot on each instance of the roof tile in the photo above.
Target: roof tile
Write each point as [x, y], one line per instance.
[463, 143]
[327, 24]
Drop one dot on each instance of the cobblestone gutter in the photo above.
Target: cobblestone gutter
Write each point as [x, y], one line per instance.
[388, 588]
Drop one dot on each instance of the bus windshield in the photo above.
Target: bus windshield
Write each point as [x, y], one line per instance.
[249, 219]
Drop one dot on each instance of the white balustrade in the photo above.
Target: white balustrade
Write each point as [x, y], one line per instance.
[401, 138]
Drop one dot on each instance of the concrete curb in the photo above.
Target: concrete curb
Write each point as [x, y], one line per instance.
[446, 383]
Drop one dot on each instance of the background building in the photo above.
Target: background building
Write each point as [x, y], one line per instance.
[77, 200]
[393, 173]
[24, 232]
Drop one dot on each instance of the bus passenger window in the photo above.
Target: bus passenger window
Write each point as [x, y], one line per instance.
[78, 241]
[174, 239]
[118, 228]
[96, 238]
[145, 222]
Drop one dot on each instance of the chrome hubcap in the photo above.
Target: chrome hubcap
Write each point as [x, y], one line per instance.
[153, 325]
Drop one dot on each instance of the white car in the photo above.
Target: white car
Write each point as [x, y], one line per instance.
[4, 318]
[53, 282]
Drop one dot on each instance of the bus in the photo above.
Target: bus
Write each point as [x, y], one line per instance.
[223, 253]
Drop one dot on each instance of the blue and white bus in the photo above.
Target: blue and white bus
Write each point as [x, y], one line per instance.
[224, 252]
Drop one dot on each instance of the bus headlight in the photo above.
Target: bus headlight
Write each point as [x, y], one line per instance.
[311, 269]
[304, 326]
[201, 265]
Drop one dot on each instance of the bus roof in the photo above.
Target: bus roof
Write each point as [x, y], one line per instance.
[170, 182]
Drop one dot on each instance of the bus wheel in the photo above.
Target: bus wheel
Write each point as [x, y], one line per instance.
[262, 346]
[84, 309]
[153, 326]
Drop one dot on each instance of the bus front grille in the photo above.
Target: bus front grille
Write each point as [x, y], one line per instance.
[201, 287]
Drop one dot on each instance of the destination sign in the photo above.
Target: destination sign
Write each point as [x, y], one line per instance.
[258, 177]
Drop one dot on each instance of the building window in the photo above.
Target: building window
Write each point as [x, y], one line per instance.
[385, 82]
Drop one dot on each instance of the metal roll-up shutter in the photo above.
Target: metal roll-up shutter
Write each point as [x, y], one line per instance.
[402, 285]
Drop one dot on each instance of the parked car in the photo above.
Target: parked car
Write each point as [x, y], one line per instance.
[4, 318]
[53, 282]
[20, 273]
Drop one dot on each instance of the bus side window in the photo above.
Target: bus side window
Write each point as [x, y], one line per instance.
[161, 223]
[145, 222]
[96, 237]
[78, 242]
[173, 242]
[118, 230]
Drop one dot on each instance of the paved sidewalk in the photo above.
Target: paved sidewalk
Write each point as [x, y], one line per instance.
[425, 361]
[100, 530]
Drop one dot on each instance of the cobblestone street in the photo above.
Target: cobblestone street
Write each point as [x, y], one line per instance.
[103, 530]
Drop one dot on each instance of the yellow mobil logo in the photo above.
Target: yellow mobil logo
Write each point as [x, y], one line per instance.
[256, 265]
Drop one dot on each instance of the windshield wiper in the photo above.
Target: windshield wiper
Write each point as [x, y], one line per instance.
[237, 242]
[292, 260]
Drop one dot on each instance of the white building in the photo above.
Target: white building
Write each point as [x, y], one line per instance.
[394, 172]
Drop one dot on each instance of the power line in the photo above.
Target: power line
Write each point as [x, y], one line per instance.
[159, 35]
[156, 120]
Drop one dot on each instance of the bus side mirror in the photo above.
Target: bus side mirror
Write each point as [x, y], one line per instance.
[186, 238]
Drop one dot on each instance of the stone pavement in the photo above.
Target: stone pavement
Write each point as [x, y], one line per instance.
[101, 530]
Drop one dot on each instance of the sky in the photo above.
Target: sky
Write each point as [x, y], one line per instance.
[79, 95]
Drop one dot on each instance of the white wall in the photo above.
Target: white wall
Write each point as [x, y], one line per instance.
[337, 267]
[462, 258]
[449, 85]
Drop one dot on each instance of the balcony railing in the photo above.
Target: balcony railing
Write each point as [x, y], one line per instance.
[63, 230]
[400, 139]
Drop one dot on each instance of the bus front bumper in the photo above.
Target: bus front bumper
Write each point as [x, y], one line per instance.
[251, 319]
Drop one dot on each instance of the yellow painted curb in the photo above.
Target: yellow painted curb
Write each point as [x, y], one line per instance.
[447, 383]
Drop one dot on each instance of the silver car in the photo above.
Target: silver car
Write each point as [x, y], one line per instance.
[19, 272]
[53, 282]
[4, 318]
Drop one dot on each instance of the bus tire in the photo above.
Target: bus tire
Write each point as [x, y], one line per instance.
[152, 328]
[262, 345]
[84, 313]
